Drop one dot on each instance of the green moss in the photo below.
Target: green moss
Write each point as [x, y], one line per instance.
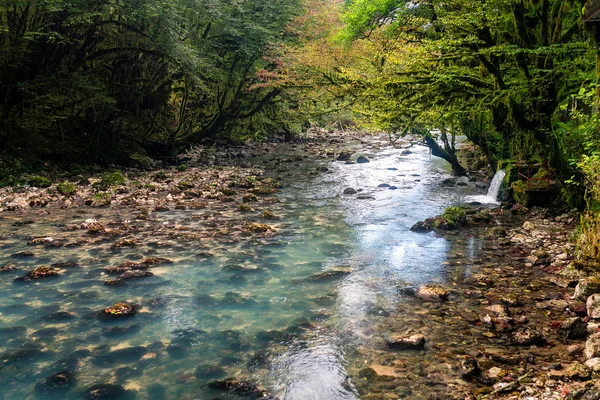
[39, 181]
[110, 179]
[182, 167]
[66, 188]
[456, 216]
[183, 185]
[520, 192]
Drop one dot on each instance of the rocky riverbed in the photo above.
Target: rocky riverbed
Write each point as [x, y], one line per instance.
[518, 319]
[150, 284]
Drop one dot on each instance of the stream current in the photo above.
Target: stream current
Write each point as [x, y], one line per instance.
[259, 310]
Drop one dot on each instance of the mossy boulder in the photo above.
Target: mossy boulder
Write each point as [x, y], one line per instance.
[110, 179]
[66, 188]
[39, 181]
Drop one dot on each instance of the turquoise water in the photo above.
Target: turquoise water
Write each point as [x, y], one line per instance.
[255, 310]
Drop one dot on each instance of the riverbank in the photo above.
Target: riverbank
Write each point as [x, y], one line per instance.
[239, 251]
[508, 324]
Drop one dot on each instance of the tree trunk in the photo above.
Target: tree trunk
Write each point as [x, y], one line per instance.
[438, 151]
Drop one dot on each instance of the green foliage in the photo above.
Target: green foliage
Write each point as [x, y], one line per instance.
[39, 181]
[110, 179]
[66, 188]
[100, 80]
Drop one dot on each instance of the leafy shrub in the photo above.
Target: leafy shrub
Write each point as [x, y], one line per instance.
[66, 188]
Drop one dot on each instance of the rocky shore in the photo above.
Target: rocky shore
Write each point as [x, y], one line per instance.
[519, 319]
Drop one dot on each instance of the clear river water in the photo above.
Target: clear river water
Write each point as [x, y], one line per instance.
[258, 310]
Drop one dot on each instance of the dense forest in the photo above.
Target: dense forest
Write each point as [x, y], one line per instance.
[103, 81]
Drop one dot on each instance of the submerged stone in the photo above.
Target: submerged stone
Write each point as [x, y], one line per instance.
[237, 388]
[106, 391]
[413, 342]
[432, 293]
[329, 276]
[135, 274]
[55, 384]
[40, 272]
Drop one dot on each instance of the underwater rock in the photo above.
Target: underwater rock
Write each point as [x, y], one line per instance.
[23, 254]
[432, 293]
[528, 337]
[469, 367]
[106, 391]
[329, 276]
[38, 273]
[65, 265]
[119, 310]
[115, 282]
[125, 355]
[135, 274]
[406, 343]
[27, 354]
[237, 388]
[8, 267]
[56, 383]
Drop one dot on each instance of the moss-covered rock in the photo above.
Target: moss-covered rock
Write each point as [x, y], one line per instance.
[66, 188]
[39, 181]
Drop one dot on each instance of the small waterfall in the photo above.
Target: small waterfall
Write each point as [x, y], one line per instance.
[495, 185]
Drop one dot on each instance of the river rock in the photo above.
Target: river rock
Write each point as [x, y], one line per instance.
[134, 274]
[344, 156]
[573, 328]
[106, 391]
[406, 343]
[584, 394]
[350, 191]
[38, 273]
[362, 160]
[587, 287]
[592, 347]
[593, 364]
[329, 275]
[593, 306]
[469, 367]
[528, 226]
[528, 337]
[578, 372]
[119, 310]
[55, 384]
[432, 293]
[238, 388]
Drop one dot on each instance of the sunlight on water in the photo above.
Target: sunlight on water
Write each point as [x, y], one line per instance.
[256, 310]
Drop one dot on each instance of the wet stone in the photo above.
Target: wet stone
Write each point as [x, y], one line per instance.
[573, 328]
[413, 342]
[126, 355]
[587, 287]
[592, 346]
[209, 371]
[105, 391]
[8, 268]
[119, 310]
[40, 272]
[237, 388]
[329, 276]
[584, 394]
[593, 306]
[578, 372]
[528, 337]
[55, 384]
[432, 293]
[350, 191]
[469, 367]
[135, 274]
